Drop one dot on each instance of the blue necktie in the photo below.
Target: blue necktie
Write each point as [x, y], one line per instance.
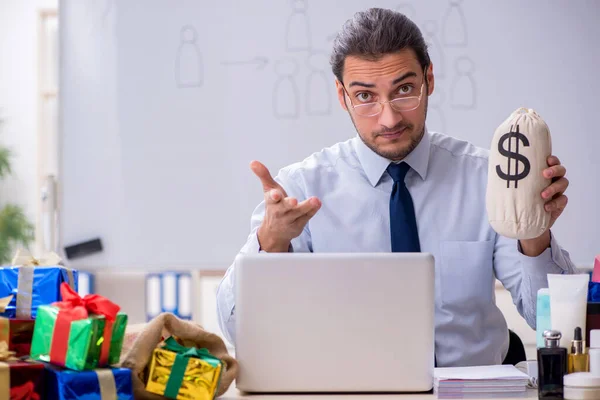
[403, 224]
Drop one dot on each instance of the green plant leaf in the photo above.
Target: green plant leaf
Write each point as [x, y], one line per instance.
[15, 230]
[4, 162]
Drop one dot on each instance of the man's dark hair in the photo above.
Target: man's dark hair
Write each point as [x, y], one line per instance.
[373, 33]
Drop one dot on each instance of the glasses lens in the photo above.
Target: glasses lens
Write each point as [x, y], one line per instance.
[366, 110]
[405, 104]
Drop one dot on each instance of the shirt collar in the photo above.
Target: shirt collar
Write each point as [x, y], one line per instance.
[375, 165]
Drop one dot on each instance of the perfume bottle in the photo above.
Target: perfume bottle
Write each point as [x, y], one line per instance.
[552, 366]
[578, 359]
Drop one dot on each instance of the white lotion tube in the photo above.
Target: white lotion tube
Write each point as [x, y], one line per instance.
[568, 305]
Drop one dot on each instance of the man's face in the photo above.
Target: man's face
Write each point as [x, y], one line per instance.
[397, 129]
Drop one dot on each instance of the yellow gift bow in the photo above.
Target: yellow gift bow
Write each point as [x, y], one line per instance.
[27, 264]
[5, 355]
[4, 322]
[25, 259]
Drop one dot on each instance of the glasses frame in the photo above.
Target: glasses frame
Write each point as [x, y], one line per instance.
[382, 103]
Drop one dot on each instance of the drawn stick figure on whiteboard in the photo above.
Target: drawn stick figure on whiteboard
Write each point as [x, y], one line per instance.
[436, 121]
[408, 10]
[436, 53]
[463, 90]
[454, 25]
[285, 91]
[318, 95]
[189, 70]
[297, 35]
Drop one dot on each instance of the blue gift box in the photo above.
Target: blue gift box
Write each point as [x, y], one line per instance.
[593, 292]
[107, 383]
[38, 286]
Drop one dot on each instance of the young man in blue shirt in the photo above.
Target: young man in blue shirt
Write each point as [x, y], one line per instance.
[395, 186]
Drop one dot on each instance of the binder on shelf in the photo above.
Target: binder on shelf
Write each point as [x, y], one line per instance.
[86, 283]
[169, 292]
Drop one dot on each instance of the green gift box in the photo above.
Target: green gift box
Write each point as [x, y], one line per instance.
[79, 333]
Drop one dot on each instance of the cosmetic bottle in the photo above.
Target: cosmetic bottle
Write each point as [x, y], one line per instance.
[543, 320]
[568, 303]
[552, 366]
[594, 352]
[578, 358]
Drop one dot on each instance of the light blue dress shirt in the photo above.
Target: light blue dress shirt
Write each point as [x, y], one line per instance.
[447, 182]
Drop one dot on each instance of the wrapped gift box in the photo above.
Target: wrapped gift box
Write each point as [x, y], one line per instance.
[106, 383]
[178, 372]
[79, 333]
[33, 282]
[17, 332]
[22, 380]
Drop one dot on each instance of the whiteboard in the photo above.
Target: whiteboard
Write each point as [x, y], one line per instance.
[165, 103]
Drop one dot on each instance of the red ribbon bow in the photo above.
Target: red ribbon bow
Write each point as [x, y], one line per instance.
[24, 392]
[79, 307]
[74, 307]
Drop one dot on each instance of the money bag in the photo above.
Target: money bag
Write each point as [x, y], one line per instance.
[519, 151]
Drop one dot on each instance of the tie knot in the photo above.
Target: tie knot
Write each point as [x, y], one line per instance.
[398, 171]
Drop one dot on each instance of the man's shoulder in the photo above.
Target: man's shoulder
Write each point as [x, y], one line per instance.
[326, 158]
[460, 149]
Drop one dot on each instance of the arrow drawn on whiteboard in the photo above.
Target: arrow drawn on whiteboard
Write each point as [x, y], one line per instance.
[260, 62]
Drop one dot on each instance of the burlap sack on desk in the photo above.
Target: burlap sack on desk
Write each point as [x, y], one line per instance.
[140, 353]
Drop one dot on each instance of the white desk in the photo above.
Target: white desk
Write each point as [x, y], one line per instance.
[233, 394]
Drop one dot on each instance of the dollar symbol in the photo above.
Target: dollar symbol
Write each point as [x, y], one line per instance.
[513, 155]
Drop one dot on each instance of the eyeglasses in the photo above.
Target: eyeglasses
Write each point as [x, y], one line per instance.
[398, 104]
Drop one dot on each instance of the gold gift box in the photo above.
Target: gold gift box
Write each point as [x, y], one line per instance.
[200, 380]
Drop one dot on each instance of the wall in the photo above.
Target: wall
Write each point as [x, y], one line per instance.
[19, 99]
[163, 107]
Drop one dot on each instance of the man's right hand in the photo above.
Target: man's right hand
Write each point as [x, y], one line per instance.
[284, 218]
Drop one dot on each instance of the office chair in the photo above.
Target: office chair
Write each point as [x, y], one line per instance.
[516, 349]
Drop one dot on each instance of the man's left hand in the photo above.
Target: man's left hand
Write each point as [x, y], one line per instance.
[556, 202]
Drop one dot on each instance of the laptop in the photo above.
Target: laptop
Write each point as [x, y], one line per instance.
[327, 322]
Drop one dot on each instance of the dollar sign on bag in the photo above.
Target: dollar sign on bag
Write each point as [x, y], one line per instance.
[513, 155]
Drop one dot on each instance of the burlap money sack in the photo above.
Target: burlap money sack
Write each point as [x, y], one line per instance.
[519, 152]
[140, 353]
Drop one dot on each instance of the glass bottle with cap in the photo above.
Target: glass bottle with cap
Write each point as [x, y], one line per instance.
[552, 366]
[578, 358]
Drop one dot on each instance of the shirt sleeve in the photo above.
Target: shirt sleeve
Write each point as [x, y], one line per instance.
[523, 276]
[226, 289]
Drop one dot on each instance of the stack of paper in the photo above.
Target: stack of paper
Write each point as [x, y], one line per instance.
[480, 382]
